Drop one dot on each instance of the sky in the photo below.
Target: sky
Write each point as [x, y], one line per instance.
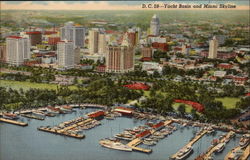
[106, 5]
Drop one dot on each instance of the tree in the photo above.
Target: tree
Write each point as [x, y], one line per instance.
[182, 109]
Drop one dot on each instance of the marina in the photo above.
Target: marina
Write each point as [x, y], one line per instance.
[67, 125]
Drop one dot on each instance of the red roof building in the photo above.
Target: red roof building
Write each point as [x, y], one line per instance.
[158, 125]
[15, 37]
[225, 66]
[199, 107]
[137, 86]
[101, 68]
[96, 115]
[143, 134]
[161, 46]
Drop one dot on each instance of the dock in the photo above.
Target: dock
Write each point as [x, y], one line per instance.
[73, 135]
[13, 122]
[195, 139]
[135, 142]
[32, 116]
[213, 149]
[245, 155]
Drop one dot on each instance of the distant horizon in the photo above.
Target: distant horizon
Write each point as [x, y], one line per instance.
[113, 5]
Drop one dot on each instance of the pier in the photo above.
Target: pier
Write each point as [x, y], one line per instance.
[78, 136]
[135, 142]
[13, 122]
[211, 150]
[245, 155]
[32, 116]
[195, 139]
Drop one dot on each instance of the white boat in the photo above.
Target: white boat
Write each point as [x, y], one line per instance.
[244, 141]
[114, 145]
[220, 147]
[149, 143]
[236, 154]
[184, 153]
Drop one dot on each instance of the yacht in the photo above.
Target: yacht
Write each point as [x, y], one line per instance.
[114, 145]
[184, 153]
[244, 141]
[11, 116]
[220, 147]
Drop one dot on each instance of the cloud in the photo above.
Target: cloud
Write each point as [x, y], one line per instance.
[88, 5]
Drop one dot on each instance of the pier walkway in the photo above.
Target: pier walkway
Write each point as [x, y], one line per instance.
[213, 149]
[135, 142]
[13, 122]
[195, 139]
[245, 155]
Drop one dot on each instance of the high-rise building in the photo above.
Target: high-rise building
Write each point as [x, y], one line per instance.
[102, 44]
[132, 38]
[147, 52]
[93, 41]
[35, 37]
[3, 53]
[17, 49]
[65, 54]
[77, 57]
[76, 34]
[155, 26]
[120, 59]
[213, 47]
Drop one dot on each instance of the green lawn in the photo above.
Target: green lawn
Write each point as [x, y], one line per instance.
[188, 107]
[27, 85]
[228, 102]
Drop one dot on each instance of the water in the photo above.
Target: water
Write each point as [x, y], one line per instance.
[27, 143]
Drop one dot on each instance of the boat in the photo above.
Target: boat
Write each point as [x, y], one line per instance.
[184, 153]
[219, 148]
[66, 109]
[114, 145]
[53, 110]
[244, 141]
[236, 154]
[110, 117]
[10, 116]
[149, 143]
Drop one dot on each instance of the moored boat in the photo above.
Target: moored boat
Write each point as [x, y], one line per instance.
[53, 110]
[244, 141]
[184, 153]
[10, 116]
[219, 148]
[114, 145]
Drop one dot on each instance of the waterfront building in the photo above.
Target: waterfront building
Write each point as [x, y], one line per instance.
[65, 54]
[3, 53]
[76, 34]
[155, 26]
[213, 47]
[17, 50]
[35, 37]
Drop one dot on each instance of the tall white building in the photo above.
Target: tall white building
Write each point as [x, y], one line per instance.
[17, 50]
[155, 25]
[65, 54]
[76, 34]
[93, 41]
[97, 42]
[213, 47]
[102, 44]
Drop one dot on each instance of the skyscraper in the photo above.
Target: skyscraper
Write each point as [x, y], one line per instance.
[213, 47]
[155, 26]
[120, 59]
[102, 44]
[93, 41]
[17, 50]
[76, 34]
[65, 54]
